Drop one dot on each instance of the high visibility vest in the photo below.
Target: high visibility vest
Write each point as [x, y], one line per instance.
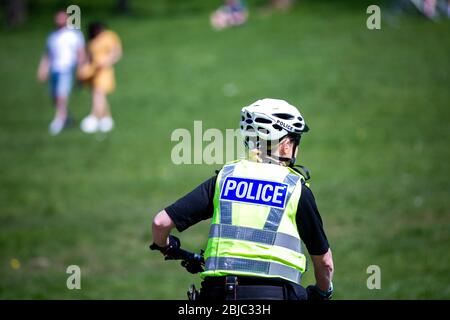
[253, 229]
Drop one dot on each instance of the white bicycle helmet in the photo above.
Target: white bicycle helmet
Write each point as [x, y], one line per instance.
[271, 120]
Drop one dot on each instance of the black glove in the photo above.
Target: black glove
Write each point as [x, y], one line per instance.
[170, 251]
[194, 264]
[314, 293]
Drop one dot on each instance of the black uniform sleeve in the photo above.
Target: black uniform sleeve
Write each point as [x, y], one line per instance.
[309, 224]
[194, 207]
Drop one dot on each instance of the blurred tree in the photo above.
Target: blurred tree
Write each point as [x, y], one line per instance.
[123, 6]
[16, 12]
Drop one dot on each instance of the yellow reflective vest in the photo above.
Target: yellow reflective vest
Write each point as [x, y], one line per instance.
[253, 230]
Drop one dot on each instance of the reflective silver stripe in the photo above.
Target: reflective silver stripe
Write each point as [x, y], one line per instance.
[253, 266]
[275, 214]
[255, 235]
[225, 206]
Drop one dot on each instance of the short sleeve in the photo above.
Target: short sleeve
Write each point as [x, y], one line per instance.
[194, 207]
[309, 224]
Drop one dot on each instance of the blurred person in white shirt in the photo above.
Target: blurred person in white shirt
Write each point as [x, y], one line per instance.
[64, 51]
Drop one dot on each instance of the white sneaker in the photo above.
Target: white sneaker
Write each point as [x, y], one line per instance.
[106, 124]
[56, 126]
[90, 124]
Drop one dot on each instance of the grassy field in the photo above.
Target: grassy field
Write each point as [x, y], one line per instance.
[377, 103]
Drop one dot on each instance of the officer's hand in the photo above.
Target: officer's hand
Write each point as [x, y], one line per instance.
[192, 266]
[170, 251]
[314, 293]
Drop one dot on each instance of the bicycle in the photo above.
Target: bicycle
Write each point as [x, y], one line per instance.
[192, 262]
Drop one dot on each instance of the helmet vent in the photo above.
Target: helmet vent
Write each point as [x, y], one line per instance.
[249, 121]
[262, 120]
[298, 125]
[284, 116]
[277, 127]
[262, 130]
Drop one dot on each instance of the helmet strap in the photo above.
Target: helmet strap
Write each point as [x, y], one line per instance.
[290, 161]
[273, 158]
[293, 158]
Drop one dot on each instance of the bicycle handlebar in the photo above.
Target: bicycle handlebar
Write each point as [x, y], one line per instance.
[193, 262]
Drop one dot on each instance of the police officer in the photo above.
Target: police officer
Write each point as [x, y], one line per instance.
[262, 210]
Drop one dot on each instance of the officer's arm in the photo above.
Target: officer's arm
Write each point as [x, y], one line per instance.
[162, 225]
[323, 270]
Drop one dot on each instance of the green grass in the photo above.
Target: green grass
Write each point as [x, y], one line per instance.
[376, 101]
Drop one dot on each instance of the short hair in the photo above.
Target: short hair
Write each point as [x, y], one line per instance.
[95, 28]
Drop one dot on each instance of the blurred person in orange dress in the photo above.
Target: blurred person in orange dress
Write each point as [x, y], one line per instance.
[104, 51]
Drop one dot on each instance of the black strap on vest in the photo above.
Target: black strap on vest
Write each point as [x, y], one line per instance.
[231, 284]
[302, 170]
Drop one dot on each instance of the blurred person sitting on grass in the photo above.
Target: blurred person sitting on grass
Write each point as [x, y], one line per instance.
[232, 13]
[431, 8]
[64, 50]
[282, 5]
[104, 50]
